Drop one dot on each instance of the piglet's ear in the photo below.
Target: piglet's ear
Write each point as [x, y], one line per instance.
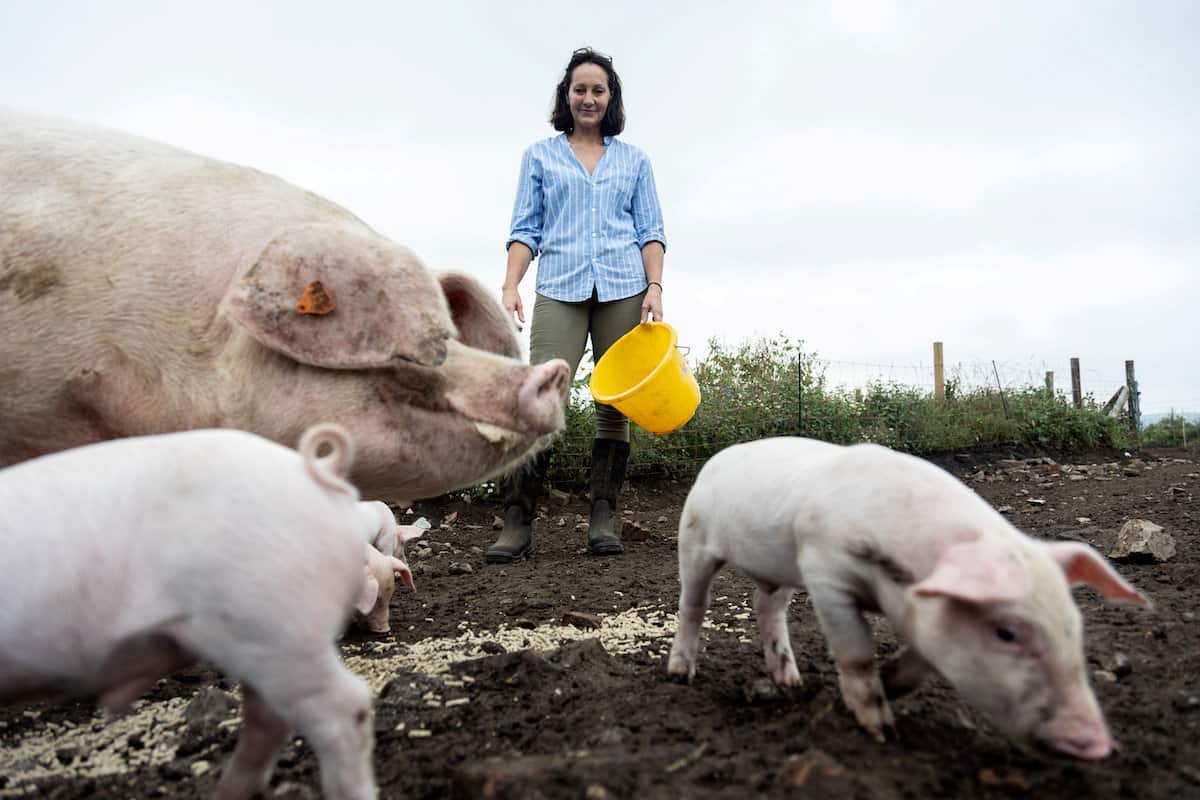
[1083, 565]
[401, 569]
[406, 533]
[977, 572]
[367, 594]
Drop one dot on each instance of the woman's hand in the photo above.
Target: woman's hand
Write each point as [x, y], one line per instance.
[652, 303]
[511, 299]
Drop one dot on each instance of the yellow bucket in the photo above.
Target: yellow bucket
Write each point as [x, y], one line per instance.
[644, 377]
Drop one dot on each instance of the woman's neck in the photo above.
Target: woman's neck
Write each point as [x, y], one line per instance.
[585, 136]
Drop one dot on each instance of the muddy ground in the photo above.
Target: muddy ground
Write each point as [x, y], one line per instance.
[546, 678]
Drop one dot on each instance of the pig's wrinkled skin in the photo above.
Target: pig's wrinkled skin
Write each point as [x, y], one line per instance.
[864, 528]
[127, 560]
[385, 560]
[145, 289]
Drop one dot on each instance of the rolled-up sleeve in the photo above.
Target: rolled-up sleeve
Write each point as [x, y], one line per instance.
[647, 213]
[528, 212]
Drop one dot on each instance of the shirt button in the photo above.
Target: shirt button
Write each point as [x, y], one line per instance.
[593, 235]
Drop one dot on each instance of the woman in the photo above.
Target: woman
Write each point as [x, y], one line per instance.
[587, 208]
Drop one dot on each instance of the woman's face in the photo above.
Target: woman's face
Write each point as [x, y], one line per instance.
[587, 95]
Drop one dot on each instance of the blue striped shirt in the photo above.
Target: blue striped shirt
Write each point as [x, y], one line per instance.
[586, 230]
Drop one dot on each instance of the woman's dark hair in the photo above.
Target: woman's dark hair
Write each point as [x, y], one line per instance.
[614, 118]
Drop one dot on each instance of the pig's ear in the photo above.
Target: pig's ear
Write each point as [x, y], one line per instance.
[401, 569]
[367, 594]
[339, 299]
[478, 315]
[977, 572]
[406, 533]
[1083, 565]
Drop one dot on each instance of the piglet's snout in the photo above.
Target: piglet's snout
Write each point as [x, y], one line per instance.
[1078, 730]
[541, 397]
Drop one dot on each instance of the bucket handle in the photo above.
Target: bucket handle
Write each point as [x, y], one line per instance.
[686, 350]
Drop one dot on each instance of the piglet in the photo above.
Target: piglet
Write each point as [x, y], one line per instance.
[385, 561]
[127, 560]
[866, 529]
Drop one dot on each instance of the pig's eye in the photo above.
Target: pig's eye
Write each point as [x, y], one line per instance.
[1005, 635]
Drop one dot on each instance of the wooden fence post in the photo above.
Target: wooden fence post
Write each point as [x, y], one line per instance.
[939, 374]
[1076, 389]
[1135, 400]
[1050, 382]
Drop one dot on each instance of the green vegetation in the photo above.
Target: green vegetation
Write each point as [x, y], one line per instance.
[772, 388]
[1171, 432]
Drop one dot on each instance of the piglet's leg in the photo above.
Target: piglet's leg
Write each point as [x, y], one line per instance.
[331, 707]
[250, 768]
[853, 651]
[696, 571]
[770, 609]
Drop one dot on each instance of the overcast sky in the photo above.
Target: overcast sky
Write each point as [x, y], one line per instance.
[1020, 180]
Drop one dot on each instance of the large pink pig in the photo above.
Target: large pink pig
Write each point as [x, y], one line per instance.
[126, 560]
[145, 289]
[864, 528]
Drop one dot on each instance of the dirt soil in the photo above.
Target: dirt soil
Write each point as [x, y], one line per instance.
[545, 678]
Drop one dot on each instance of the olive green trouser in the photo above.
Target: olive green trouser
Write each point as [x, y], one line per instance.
[560, 330]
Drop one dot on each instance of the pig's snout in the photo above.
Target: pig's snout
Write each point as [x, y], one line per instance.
[541, 398]
[1079, 737]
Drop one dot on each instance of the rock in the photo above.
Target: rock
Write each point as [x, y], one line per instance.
[1186, 703]
[562, 522]
[1011, 779]
[596, 791]
[663, 520]
[1035, 501]
[581, 620]
[762, 690]
[612, 736]
[581, 527]
[524, 622]
[633, 532]
[559, 496]
[1104, 675]
[492, 648]
[1142, 540]
[1084, 520]
[497, 523]
[200, 767]
[818, 774]
[460, 568]
[1005, 509]
[289, 790]
[203, 717]
[1119, 665]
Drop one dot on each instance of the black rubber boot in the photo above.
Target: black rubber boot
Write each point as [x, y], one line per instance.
[609, 459]
[521, 491]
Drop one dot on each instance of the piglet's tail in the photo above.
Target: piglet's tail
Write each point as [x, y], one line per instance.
[330, 470]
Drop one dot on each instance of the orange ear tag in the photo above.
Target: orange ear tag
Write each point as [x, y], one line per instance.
[315, 300]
